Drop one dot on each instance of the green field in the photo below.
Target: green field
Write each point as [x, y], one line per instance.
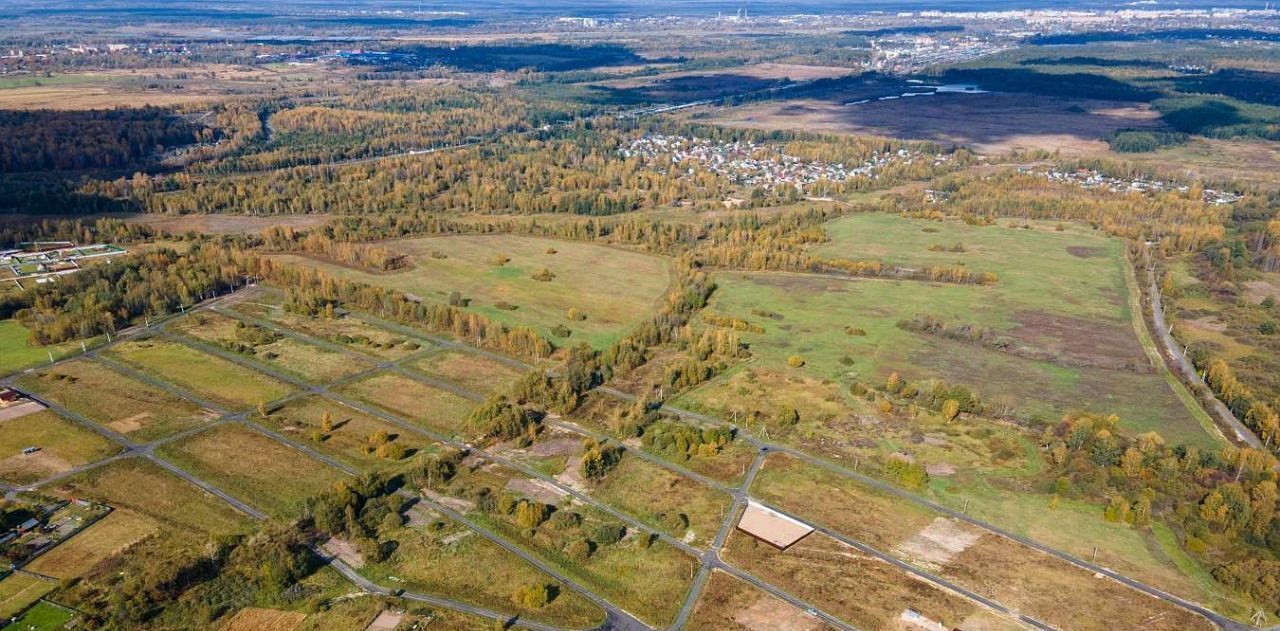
[1060, 311]
[264, 473]
[144, 488]
[471, 371]
[219, 380]
[131, 407]
[413, 401]
[16, 354]
[62, 445]
[43, 617]
[349, 438]
[285, 354]
[613, 288]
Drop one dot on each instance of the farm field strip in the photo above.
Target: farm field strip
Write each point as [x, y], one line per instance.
[631, 521]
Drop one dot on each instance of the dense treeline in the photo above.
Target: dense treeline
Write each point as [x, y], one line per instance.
[372, 257]
[175, 587]
[1222, 502]
[106, 298]
[314, 293]
[75, 140]
[1182, 222]
[385, 120]
[104, 229]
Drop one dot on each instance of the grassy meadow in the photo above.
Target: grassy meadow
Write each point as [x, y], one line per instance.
[264, 473]
[471, 371]
[16, 352]
[413, 401]
[1060, 308]
[104, 538]
[144, 488]
[214, 378]
[613, 288]
[448, 560]
[288, 355]
[350, 438]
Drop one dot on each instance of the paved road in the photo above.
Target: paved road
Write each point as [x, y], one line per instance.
[1173, 354]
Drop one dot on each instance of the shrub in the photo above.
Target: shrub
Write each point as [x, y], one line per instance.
[532, 596]
[575, 315]
[544, 276]
[608, 534]
[579, 549]
[795, 361]
[499, 260]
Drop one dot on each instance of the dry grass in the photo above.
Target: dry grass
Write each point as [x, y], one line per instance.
[302, 420]
[285, 354]
[413, 401]
[728, 604]
[144, 488]
[856, 511]
[1056, 592]
[63, 445]
[107, 537]
[473, 372]
[125, 405]
[258, 619]
[257, 469]
[864, 591]
[18, 591]
[217, 379]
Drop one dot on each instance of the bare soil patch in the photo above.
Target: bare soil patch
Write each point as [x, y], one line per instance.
[1086, 252]
[19, 410]
[1259, 290]
[130, 423]
[536, 489]
[556, 447]
[1081, 342]
[41, 463]
[770, 614]
[385, 621]
[344, 550]
[454, 503]
[939, 542]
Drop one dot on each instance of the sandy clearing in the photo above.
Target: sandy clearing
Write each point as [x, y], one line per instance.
[939, 542]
